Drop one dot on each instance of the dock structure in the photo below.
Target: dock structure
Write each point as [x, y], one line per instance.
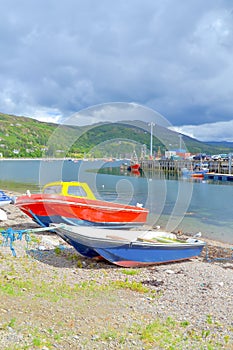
[167, 166]
[218, 177]
[175, 166]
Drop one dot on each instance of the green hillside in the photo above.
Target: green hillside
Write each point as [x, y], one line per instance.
[27, 137]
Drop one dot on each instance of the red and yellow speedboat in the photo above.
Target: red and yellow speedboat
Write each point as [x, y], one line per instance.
[75, 203]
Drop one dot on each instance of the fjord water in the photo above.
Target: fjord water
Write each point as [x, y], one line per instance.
[174, 203]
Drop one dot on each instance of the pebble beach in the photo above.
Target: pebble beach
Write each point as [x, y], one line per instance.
[53, 298]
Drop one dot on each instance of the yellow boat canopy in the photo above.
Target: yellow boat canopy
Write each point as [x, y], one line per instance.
[69, 188]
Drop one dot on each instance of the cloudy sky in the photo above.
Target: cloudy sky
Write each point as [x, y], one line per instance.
[171, 56]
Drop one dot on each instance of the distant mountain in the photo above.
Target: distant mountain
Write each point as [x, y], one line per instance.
[173, 140]
[226, 144]
[27, 137]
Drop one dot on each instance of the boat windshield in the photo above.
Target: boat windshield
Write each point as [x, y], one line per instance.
[77, 191]
[53, 189]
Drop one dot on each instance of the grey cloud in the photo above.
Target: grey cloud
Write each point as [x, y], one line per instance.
[174, 57]
[117, 112]
[208, 132]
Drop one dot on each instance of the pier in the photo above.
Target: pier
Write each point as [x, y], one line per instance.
[175, 166]
[218, 177]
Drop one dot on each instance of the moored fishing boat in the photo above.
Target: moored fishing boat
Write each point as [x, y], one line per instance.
[129, 248]
[134, 167]
[134, 163]
[74, 203]
[198, 172]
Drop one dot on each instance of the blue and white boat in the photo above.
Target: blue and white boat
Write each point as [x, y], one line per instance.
[5, 199]
[197, 172]
[129, 248]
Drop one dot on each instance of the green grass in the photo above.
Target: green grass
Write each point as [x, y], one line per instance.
[168, 334]
[132, 285]
[149, 332]
[130, 272]
[15, 286]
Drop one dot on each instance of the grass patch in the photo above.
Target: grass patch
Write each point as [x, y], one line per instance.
[168, 334]
[130, 272]
[14, 286]
[133, 285]
[145, 333]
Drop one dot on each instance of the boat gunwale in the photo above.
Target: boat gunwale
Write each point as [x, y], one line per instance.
[115, 207]
[130, 242]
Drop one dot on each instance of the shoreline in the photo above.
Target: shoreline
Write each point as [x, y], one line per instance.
[17, 217]
[215, 221]
[18, 220]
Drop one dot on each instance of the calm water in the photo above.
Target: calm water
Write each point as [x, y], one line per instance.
[174, 204]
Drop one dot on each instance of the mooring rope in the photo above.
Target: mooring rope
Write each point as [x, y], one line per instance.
[10, 236]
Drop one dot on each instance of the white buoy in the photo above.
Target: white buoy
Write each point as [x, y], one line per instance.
[139, 205]
[28, 193]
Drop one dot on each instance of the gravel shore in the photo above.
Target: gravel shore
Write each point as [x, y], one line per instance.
[52, 298]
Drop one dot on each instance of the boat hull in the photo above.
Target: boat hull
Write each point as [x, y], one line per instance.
[47, 209]
[3, 203]
[5, 199]
[125, 252]
[138, 255]
[195, 173]
[198, 175]
[134, 167]
[80, 247]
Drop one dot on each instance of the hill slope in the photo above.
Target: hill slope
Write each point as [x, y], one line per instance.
[27, 137]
